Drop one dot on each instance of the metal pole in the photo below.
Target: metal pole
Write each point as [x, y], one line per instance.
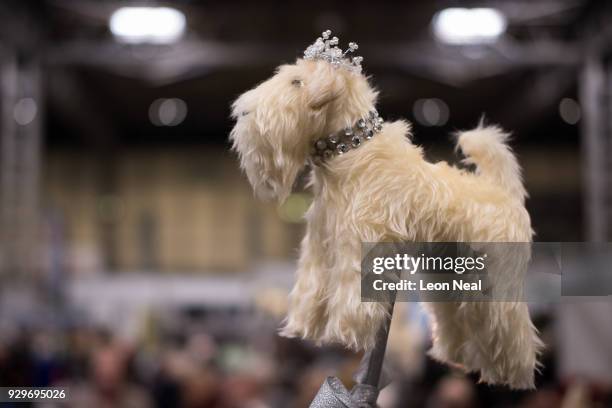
[8, 184]
[591, 87]
[368, 378]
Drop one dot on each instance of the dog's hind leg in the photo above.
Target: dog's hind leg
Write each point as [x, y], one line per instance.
[494, 338]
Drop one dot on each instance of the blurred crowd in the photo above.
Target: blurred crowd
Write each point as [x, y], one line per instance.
[198, 370]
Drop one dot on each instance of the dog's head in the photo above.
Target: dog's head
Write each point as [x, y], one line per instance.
[278, 121]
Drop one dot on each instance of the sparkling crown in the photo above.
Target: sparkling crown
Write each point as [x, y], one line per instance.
[325, 48]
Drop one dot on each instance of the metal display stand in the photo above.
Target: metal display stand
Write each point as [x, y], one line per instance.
[333, 394]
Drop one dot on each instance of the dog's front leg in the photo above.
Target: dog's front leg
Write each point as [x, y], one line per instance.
[306, 317]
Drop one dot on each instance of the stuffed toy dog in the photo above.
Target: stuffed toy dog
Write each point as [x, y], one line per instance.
[372, 184]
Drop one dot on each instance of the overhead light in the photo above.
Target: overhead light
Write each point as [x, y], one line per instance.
[431, 112]
[294, 208]
[569, 110]
[167, 111]
[25, 111]
[157, 25]
[469, 25]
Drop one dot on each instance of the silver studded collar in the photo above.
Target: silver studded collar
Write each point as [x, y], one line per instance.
[346, 139]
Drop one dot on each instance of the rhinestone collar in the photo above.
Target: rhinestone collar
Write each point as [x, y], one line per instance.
[347, 139]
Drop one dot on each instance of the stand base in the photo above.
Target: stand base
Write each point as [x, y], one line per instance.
[333, 394]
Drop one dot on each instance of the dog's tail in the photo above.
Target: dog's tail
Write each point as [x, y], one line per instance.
[487, 148]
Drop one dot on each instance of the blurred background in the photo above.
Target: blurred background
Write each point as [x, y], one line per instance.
[136, 267]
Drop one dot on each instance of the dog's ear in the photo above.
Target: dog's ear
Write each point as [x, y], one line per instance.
[325, 85]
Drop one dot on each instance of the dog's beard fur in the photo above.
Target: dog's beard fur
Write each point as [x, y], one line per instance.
[262, 139]
[386, 191]
[270, 171]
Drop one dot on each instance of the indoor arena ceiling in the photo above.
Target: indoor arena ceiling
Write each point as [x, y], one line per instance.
[99, 90]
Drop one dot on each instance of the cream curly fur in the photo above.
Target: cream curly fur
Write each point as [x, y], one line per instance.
[386, 191]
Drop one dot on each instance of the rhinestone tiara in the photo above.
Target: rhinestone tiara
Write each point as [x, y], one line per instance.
[326, 49]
